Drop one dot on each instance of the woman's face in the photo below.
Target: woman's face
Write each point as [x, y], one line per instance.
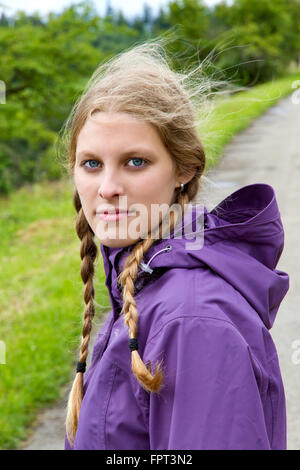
[121, 163]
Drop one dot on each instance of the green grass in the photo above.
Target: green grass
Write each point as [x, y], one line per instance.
[41, 301]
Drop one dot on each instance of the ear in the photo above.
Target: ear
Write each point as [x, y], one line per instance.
[184, 178]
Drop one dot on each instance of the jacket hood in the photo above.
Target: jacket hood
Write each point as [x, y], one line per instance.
[241, 240]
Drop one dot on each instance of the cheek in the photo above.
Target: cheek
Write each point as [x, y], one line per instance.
[157, 185]
[83, 185]
[86, 195]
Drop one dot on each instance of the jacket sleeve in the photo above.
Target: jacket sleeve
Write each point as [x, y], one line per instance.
[210, 398]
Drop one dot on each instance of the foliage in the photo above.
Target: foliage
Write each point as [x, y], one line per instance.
[45, 67]
[46, 63]
[258, 40]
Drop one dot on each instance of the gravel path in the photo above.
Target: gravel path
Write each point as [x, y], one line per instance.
[267, 152]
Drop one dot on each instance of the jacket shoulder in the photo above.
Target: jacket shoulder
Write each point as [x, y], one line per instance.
[189, 292]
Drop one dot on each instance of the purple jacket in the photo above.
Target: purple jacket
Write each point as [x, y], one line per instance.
[207, 312]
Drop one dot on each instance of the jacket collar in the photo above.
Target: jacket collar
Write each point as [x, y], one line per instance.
[241, 240]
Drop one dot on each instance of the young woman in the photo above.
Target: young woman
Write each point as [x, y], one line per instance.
[185, 359]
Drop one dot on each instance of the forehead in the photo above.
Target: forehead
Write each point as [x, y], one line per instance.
[113, 130]
[116, 121]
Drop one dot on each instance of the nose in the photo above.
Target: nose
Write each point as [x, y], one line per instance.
[110, 186]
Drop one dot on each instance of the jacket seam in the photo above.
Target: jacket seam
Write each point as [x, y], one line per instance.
[274, 357]
[233, 237]
[272, 407]
[176, 318]
[245, 222]
[139, 400]
[263, 377]
[194, 296]
[118, 365]
[193, 316]
[114, 372]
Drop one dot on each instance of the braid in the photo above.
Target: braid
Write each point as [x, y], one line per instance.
[88, 254]
[143, 373]
[140, 82]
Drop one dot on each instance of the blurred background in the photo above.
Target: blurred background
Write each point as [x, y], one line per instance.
[48, 51]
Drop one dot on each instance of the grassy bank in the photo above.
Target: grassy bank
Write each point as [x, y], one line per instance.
[230, 115]
[41, 301]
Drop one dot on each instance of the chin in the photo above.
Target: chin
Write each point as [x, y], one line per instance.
[117, 243]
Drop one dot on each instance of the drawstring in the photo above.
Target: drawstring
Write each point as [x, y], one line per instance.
[133, 343]
[146, 268]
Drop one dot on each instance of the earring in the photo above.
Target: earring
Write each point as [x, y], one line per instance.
[182, 187]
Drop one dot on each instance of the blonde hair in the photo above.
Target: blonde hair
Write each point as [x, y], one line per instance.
[138, 81]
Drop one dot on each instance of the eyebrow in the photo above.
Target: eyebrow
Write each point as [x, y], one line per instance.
[127, 153]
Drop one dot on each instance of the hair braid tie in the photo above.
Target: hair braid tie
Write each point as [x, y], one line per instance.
[81, 367]
[133, 344]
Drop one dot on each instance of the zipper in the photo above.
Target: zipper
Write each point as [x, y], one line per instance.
[146, 267]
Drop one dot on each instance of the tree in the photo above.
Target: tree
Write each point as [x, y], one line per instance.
[44, 67]
[190, 18]
[258, 39]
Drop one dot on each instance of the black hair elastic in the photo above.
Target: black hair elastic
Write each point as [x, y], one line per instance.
[81, 367]
[133, 344]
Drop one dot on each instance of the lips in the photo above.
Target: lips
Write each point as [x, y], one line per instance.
[116, 211]
[110, 216]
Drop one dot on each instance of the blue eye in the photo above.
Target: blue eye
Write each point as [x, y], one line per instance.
[90, 161]
[135, 160]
